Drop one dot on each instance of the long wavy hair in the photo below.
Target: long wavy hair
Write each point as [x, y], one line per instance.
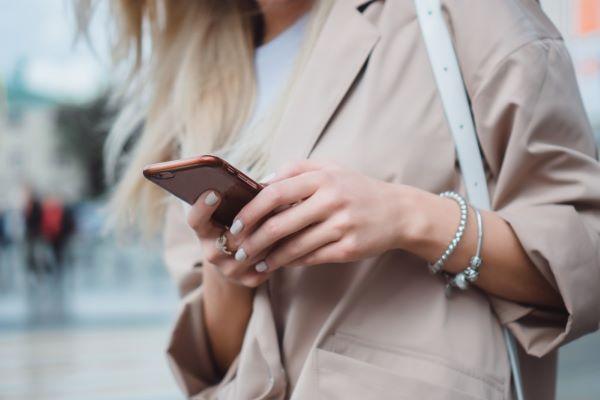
[189, 90]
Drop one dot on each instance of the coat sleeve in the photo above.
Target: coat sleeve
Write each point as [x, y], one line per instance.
[538, 144]
[188, 352]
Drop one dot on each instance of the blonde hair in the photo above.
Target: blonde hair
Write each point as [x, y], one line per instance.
[190, 91]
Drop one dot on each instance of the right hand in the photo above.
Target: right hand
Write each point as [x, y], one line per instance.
[199, 219]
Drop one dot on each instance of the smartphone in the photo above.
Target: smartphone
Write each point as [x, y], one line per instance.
[190, 177]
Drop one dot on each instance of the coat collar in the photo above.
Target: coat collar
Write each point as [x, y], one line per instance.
[342, 49]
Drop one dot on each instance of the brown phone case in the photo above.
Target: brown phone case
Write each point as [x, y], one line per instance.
[189, 178]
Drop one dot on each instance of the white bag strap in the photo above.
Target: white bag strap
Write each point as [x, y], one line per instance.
[458, 113]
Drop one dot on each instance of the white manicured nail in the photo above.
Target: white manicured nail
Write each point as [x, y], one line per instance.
[261, 267]
[211, 199]
[236, 227]
[268, 178]
[240, 255]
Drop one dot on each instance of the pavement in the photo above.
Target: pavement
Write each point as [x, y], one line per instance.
[116, 363]
[98, 333]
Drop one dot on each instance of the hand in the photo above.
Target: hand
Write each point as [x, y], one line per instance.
[236, 272]
[337, 215]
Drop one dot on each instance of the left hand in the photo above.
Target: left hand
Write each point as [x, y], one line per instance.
[336, 215]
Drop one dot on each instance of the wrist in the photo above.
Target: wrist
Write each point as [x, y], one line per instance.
[215, 284]
[416, 224]
[429, 222]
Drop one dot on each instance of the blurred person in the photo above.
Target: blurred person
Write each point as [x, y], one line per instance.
[3, 233]
[33, 218]
[3, 228]
[333, 297]
[4, 242]
[56, 229]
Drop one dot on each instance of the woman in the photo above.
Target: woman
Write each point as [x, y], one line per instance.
[333, 297]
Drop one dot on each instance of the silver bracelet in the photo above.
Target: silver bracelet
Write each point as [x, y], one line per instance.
[471, 273]
[439, 264]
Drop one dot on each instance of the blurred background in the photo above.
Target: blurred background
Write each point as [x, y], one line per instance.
[82, 315]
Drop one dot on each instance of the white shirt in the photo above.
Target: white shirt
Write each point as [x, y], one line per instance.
[274, 63]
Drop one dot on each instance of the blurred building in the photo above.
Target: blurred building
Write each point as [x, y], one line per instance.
[579, 22]
[30, 155]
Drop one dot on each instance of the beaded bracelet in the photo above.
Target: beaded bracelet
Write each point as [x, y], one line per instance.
[471, 273]
[439, 264]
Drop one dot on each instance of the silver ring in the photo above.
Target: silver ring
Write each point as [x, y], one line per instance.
[221, 244]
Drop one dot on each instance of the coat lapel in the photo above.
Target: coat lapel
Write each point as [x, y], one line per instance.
[342, 49]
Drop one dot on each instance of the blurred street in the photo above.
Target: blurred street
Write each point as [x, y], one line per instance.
[97, 332]
[72, 364]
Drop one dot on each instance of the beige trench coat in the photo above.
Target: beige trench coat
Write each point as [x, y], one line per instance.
[382, 328]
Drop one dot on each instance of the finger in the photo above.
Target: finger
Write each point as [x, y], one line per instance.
[280, 225]
[271, 197]
[302, 244]
[213, 250]
[334, 252]
[212, 254]
[296, 168]
[235, 270]
[199, 215]
[254, 279]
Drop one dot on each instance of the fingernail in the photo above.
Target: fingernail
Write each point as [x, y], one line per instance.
[211, 199]
[268, 178]
[236, 227]
[240, 255]
[261, 267]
